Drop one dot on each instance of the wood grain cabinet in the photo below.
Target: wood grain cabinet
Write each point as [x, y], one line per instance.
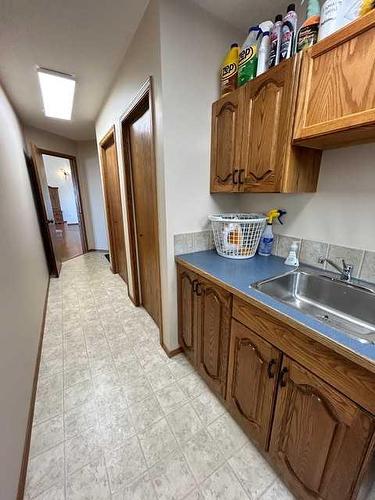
[336, 105]
[214, 316]
[227, 121]
[187, 312]
[319, 437]
[252, 132]
[252, 381]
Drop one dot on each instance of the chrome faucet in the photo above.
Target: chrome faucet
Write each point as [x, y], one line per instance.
[345, 271]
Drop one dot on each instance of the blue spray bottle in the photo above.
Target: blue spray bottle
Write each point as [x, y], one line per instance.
[267, 239]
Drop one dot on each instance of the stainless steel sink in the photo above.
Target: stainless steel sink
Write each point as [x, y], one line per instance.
[349, 307]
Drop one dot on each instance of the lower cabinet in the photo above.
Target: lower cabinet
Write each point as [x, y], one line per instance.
[214, 314]
[319, 437]
[187, 312]
[252, 381]
[321, 442]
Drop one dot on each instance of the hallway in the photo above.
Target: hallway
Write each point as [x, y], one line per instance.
[115, 418]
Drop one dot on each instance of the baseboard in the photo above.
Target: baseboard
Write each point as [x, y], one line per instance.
[26, 448]
[98, 250]
[172, 353]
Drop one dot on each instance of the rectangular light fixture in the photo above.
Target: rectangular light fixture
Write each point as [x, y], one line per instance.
[57, 93]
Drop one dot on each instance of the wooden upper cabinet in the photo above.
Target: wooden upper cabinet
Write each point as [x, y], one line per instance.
[214, 313]
[187, 312]
[252, 132]
[252, 381]
[336, 104]
[319, 437]
[226, 142]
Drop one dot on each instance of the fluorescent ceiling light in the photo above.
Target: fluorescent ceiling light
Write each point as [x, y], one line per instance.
[57, 93]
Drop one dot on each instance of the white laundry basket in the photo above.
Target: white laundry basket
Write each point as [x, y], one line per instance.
[237, 236]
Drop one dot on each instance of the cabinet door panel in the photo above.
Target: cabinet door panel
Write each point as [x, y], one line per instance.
[319, 437]
[252, 381]
[226, 142]
[187, 313]
[214, 306]
[267, 115]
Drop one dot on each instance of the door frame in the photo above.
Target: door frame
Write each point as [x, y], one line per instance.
[143, 100]
[109, 136]
[77, 190]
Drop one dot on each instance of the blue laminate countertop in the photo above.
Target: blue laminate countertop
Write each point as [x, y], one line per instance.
[240, 274]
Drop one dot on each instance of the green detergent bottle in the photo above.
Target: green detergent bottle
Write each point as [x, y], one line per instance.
[248, 58]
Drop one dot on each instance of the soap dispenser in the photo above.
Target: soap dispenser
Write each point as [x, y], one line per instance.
[292, 259]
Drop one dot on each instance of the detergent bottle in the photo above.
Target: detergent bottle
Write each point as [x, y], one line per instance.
[267, 239]
[248, 58]
[229, 70]
[308, 33]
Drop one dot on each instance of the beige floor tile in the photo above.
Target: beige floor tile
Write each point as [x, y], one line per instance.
[46, 435]
[278, 491]
[202, 455]
[184, 423]
[79, 419]
[171, 397]
[45, 470]
[141, 489]
[160, 377]
[223, 485]
[57, 492]
[137, 390]
[125, 464]
[227, 434]
[146, 413]
[81, 450]
[208, 407]
[78, 394]
[115, 431]
[157, 441]
[89, 483]
[172, 477]
[192, 385]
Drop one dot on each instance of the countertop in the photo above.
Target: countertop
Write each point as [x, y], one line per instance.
[238, 275]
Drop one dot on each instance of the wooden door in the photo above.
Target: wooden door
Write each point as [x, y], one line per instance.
[214, 307]
[226, 138]
[187, 312]
[143, 176]
[56, 206]
[267, 113]
[47, 212]
[319, 437]
[252, 381]
[112, 197]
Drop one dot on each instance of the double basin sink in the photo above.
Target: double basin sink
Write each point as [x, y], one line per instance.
[346, 306]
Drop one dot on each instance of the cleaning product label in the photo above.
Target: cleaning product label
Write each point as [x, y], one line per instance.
[265, 247]
[229, 71]
[247, 66]
[308, 36]
[287, 41]
[275, 48]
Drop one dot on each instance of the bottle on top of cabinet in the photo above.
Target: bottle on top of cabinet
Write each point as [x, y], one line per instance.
[275, 41]
[229, 70]
[248, 58]
[308, 33]
[288, 33]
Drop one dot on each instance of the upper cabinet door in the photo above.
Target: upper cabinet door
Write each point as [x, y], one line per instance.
[336, 104]
[252, 381]
[214, 313]
[226, 142]
[268, 112]
[319, 437]
[187, 313]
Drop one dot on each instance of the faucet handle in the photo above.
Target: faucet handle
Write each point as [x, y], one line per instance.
[348, 267]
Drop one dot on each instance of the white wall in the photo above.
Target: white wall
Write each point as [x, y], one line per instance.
[342, 210]
[89, 176]
[55, 168]
[141, 61]
[92, 195]
[23, 286]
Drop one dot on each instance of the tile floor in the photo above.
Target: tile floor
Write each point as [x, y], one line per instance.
[116, 419]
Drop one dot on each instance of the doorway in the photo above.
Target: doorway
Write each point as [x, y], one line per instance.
[112, 199]
[57, 183]
[142, 209]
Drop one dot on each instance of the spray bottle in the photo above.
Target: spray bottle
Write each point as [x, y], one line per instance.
[266, 241]
[275, 39]
[288, 33]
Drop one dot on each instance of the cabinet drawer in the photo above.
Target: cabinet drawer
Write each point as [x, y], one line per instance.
[346, 376]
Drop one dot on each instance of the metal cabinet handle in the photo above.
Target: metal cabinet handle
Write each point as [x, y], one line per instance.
[195, 283]
[235, 176]
[198, 289]
[270, 371]
[283, 374]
